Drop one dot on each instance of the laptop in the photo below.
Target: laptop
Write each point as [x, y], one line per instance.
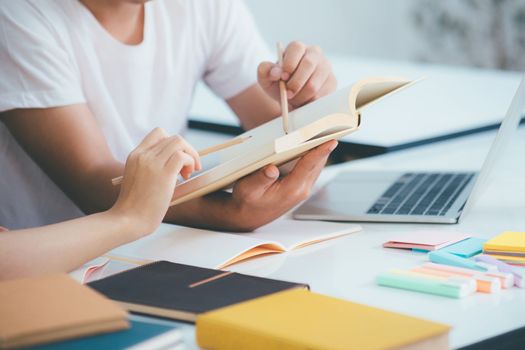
[416, 197]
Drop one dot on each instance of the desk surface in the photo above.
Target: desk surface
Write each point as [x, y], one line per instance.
[346, 267]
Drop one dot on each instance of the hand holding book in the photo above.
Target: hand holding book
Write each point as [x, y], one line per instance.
[263, 196]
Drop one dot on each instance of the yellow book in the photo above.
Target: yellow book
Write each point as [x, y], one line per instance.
[508, 241]
[300, 319]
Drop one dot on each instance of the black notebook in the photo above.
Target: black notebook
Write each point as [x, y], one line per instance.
[163, 289]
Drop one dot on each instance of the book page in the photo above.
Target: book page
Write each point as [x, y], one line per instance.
[340, 102]
[294, 234]
[191, 246]
[330, 117]
[213, 249]
[375, 89]
[335, 103]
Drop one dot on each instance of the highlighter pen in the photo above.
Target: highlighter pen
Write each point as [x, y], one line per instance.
[469, 281]
[506, 279]
[519, 276]
[483, 284]
[446, 258]
[486, 279]
[486, 284]
[459, 281]
[445, 288]
[456, 280]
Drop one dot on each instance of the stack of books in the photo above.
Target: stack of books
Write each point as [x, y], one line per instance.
[508, 247]
[232, 311]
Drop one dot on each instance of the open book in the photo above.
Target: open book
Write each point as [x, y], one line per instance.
[330, 117]
[212, 249]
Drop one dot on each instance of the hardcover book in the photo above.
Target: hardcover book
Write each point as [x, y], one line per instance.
[328, 118]
[168, 290]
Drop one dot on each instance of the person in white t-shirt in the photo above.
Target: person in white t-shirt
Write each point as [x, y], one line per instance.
[83, 81]
[150, 177]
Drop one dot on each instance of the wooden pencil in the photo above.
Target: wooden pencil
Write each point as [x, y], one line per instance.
[219, 147]
[213, 278]
[282, 90]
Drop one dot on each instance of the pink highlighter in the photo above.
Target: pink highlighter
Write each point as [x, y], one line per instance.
[506, 279]
[484, 284]
[519, 277]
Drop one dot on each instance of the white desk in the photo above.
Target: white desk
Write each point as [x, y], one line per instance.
[346, 267]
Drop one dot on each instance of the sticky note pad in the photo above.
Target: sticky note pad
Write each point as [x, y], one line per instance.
[507, 242]
[466, 248]
[425, 240]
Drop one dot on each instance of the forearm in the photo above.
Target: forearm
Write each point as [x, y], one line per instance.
[68, 144]
[93, 191]
[254, 107]
[64, 246]
[215, 211]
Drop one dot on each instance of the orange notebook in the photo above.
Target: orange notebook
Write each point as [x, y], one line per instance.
[54, 307]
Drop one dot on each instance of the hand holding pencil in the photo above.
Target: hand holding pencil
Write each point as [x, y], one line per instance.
[305, 71]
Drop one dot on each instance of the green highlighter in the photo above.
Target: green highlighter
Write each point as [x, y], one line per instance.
[448, 287]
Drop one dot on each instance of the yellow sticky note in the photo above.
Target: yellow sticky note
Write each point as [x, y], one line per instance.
[509, 241]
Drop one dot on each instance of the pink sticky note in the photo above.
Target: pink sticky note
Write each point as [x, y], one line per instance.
[425, 240]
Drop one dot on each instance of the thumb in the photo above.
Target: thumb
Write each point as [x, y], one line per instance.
[255, 185]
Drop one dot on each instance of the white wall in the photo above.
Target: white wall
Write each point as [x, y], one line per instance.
[475, 32]
[379, 28]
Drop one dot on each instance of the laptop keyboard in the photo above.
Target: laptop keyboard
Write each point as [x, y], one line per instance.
[421, 194]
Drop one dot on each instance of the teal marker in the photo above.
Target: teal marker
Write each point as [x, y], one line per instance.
[445, 258]
[466, 248]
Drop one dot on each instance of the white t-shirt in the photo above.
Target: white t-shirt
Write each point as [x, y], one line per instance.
[55, 53]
